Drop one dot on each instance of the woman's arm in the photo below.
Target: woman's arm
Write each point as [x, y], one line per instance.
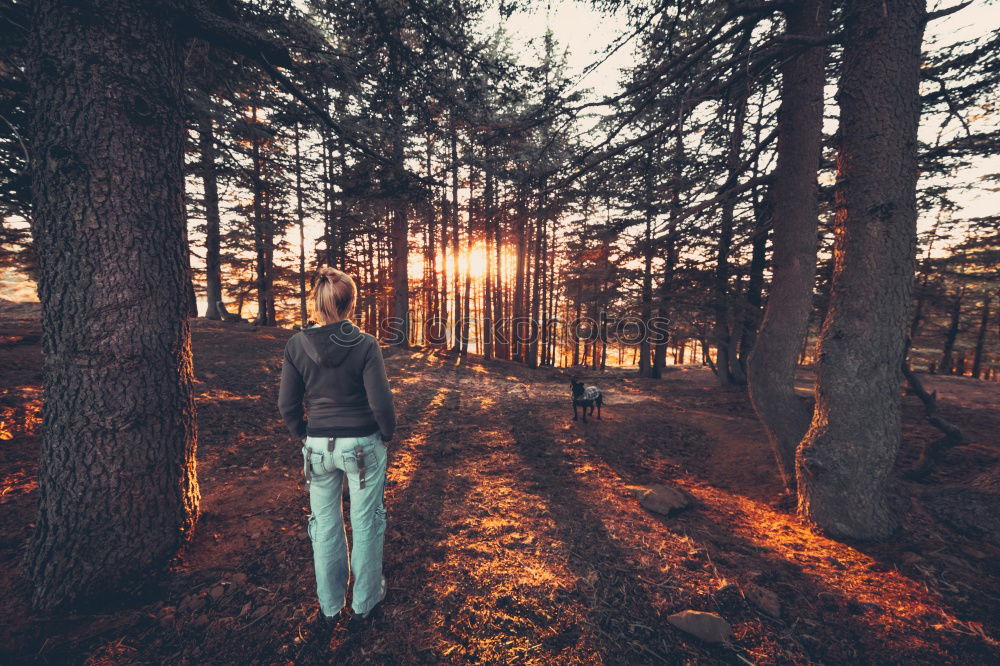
[290, 397]
[379, 393]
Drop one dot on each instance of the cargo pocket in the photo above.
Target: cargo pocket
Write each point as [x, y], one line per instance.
[311, 528]
[318, 463]
[367, 451]
[361, 463]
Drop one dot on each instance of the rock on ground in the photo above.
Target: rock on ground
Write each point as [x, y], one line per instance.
[661, 499]
[709, 627]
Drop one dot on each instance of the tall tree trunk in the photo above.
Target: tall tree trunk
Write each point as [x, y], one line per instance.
[489, 214]
[457, 341]
[501, 331]
[118, 492]
[552, 296]
[575, 337]
[794, 193]
[763, 211]
[192, 299]
[646, 297]
[400, 240]
[670, 244]
[470, 233]
[725, 360]
[519, 279]
[430, 257]
[300, 214]
[977, 361]
[849, 451]
[536, 284]
[755, 280]
[271, 318]
[445, 214]
[258, 225]
[209, 179]
[947, 366]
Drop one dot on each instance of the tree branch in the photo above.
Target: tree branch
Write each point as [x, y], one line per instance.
[947, 11]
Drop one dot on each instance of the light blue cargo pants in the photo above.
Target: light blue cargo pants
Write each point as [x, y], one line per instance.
[326, 462]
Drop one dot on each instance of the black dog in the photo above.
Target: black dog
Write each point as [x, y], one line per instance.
[586, 396]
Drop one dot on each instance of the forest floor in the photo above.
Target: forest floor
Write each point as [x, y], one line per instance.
[513, 536]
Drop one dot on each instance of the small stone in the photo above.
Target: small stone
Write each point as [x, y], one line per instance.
[764, 599]
[661, 499]
[239, 579]
[709, 627]
[910, 559]
[217, 592]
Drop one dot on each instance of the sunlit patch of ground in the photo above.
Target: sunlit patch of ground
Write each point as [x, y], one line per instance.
[512, 535]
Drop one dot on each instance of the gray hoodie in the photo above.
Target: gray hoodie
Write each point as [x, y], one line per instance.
[340, 372]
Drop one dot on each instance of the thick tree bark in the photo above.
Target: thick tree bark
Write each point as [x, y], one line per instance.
[117, 485]
[794, 193]
[849, 451]
[209, 179]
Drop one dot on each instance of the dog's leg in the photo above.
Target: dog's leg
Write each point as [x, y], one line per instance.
[574, 412]
[584, 410]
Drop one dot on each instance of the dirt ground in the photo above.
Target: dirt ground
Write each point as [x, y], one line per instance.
[513, 537]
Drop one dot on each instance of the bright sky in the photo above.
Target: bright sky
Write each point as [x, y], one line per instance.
[586, 33]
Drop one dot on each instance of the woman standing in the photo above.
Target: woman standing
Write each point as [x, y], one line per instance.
[339, 372]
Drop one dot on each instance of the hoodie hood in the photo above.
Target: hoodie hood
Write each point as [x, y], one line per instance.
[331, 345]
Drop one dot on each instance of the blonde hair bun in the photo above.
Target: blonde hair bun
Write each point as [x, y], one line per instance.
[333, 296]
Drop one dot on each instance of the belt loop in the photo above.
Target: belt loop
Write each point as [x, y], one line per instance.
[330, 443]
